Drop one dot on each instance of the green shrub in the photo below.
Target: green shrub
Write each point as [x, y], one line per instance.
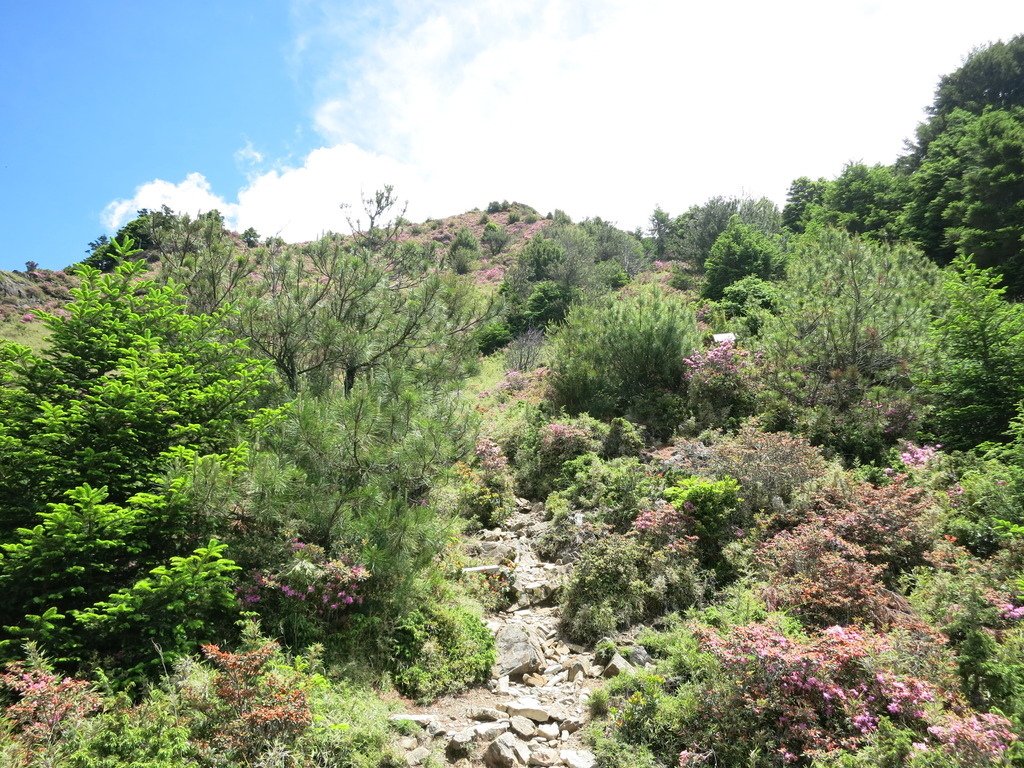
[615, 354]
[610, 491]
[712, 504]
[546, 447]
[440, 649]
[493, 336]
[624, 439]
[618, 582]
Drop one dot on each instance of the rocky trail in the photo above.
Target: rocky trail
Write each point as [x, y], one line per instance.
[533, 709]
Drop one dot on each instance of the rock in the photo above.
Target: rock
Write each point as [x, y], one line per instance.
[518, 651]
[578, 758]
[418, 756]
[506, 752]
[548, 730]
[523, 726]
[576, 672]
[639, 656]
[530, 708]
[502, 684]
[544, 757]
[537, 681]
[460, 744]
[572, 724]
[617, 666]
[408, 743]
[488, 731]
[486, 714]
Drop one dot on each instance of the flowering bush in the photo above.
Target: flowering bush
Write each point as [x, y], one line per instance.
[758, 695]
[822, 578]
[767, 465]
[49, 705]
[547, 448]
[310, 595]
[719, 388]
[485, 494]
[890, 522]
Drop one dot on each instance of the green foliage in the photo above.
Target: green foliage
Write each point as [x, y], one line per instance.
[618, 582]
[494, 237]
[544, 449]
[801, 198]
[128, 377]
[609, 357]
[977, 375]
[852, 322]
[864, 200]
[174, 609]
[463, 250]
[440, 649]
[493, 336]
[740, 251]
[749, 301]
[611, 492]
[963, 195]
[352, 308]
[713, 505]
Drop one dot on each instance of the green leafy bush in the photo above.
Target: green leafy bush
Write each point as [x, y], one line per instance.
[545, 448]
[614, 355]
[712, 504]
[439, 649]
[619, 582]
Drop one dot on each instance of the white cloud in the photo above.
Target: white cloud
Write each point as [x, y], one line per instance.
[192, 196]
[600, 108]
[247, 156]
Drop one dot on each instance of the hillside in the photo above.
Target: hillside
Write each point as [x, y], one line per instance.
[745, 489]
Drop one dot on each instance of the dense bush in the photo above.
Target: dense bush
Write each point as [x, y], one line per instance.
[719, 387]
[439, 649]
[618, 582]
[761, 695]
[544, 449]
[611, 356]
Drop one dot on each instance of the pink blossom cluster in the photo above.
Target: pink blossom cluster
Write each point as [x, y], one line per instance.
[974, 739]
[723, 359]
[490, 456]
[28, 317]
[327, 588]
[818, 694]
[46, 702]
[918, 456]
[667, 526]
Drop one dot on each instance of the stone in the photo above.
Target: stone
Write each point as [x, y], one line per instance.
[578, 758]
[408, 743]
[502, 684]
[418, 756]
[639, 656]
[576, 672]
[489, 731]
[572, 724]
[617, 666]
[518, 651]
[544, 757]
[486, 714]
[548, 730]
[526, 707]
[523, 727]
[535, 680]
[460, 744]
[506, 752]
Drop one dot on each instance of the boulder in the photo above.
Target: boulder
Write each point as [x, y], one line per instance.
[506, 752]
[518, 651]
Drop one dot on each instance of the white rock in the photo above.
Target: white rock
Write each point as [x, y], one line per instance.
[578, 758]
[418, 756]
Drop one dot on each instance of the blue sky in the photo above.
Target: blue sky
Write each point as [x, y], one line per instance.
[278, 113]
